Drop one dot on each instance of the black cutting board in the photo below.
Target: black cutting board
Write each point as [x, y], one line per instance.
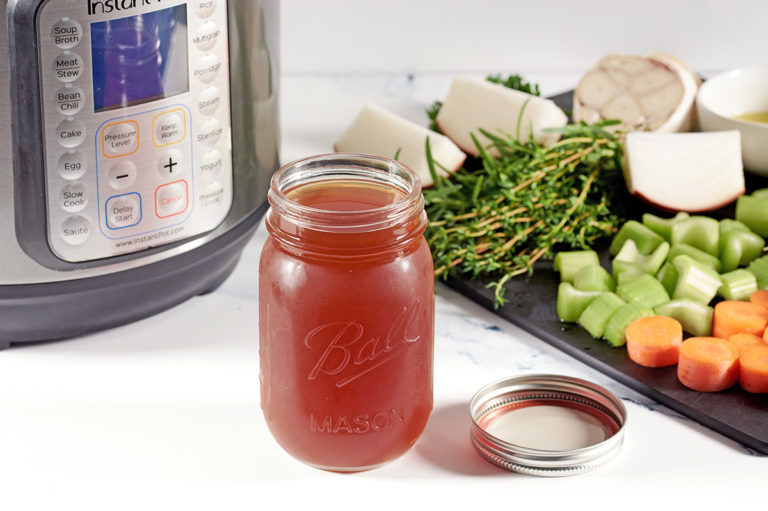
[531, 306]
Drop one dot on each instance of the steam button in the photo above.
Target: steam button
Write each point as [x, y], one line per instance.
[209, 100]
[66, 33]
[205, 8]
[68, 67]
[70, 133]
[75, 230]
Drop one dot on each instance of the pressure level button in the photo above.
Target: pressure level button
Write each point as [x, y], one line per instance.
[66, 33]
[68, 67]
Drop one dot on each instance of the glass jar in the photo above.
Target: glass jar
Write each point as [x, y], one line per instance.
[346, 311]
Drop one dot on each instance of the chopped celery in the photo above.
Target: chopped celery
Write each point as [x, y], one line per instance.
[663, 226]
[738, 248]
[752, 210]
[597, 313]
[668, 275]
[695, 317]
[696, 281]
[729, 224]
[569, 263]
[759, 268]
[762, 192]
[626, 276]
[737, 285]
[617, 324]
[645, 291]
[647, 263]
[694, 253]
[645, 239]
[619, 268]
[571, 302]
[701, 232]
[594, 278]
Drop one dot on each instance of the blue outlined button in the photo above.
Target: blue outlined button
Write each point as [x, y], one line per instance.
[123, 210]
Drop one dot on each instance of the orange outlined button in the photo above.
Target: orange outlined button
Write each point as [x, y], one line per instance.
[171, 199]
[120, 139]
[170, 127]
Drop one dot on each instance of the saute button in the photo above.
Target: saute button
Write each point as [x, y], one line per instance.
[211, 163]
[209, 100]
[68, 67]
[74, 198]
[71, 165]
[121, 138]
[70, 133]
[122, 174]
[205, 8]
[69, 100]
[207, 68]
[171, 199]
[75, 230]
[207, 36]
[66, 33]
[210, 132]
[171, 164]
[170, 128]
[123, 210]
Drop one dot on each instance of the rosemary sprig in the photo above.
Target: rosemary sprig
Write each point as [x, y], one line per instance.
[495, 221]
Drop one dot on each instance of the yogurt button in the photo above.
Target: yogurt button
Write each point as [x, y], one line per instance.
[69, 100]
[207, 68]
[207, 36]
[71, 165]
[122, 174]
[66, 33]
[204, 8]
[68, 67]
[73, 198]
[75, 230]
[211, 163]
[70, 133]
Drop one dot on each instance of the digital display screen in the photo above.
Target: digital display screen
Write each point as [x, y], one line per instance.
[140, 58]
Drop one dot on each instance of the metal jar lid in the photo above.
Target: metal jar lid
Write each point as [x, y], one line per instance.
[547, 425]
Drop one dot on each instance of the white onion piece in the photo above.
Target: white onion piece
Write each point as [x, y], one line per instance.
[474, 103]
[685, 171]
[378, 132]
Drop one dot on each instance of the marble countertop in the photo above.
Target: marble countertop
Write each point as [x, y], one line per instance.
[164, 413]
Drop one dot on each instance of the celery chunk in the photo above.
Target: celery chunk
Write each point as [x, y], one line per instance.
[694, 253]
[569, 263]
[597, 313]
[737, 285]
[701, 232]
[752, 210]
[696, 281]
[594, 278]
[668, 275]
[759, 268]
[571, 302]
[645, 291]
[739, 248]
[645, 239]
[615, 329]
[646, 263]
[696, 318]
[663, 226]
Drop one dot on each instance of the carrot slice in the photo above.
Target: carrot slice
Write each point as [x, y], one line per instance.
[753, 368]
[654, 341]
[744, 341]
[760, 297]
[733, 317]
[708, 364]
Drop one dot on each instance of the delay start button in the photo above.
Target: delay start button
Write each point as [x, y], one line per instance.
[171, 199]
[123, 210]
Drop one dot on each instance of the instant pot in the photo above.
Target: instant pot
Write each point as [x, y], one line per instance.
[137, 141]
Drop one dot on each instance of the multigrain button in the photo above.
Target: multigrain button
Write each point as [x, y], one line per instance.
[69, 100]
[207, 36]
[205, 8]
[171, 199]
[121, 138]
[171, 163]
[70, 133]
[123, 210]
[210, 132]
[209, 100]
[122, 174]
[67, 67]
[211, 164]
[73, 198]
[170, 128]
[66, 33]
[75, 230]
[207, 68]
[71, 165]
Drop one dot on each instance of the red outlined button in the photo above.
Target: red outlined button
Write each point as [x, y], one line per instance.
[171, 199]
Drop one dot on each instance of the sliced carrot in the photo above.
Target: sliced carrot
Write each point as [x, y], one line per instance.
[760, 297]
[654, 341]
[744, 341]
[733, 317]
[708, 364]
[753, 368]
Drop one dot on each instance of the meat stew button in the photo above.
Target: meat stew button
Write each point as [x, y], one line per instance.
[68, 67]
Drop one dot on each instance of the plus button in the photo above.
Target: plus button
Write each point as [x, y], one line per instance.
[171, 164]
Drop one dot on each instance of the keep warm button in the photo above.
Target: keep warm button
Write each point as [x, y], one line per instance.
[123, 210]
[171, 199]
[170, 128]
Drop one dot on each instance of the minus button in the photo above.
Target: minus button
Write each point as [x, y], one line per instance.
[122, 174]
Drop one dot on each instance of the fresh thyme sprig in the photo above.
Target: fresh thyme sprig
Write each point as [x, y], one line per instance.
[494, 222]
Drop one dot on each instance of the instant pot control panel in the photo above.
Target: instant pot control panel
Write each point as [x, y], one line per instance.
[135, 122]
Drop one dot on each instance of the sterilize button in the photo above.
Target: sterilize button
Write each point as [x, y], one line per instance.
[205, 8]
[66, 33]
[211, 163]
[74, 198]
[75, 230]
[170, 128]
[207, 68]
[171, 199]
[210, 132]
[209, 100]
[69, 100]
[70, 133]
[122, 174]
[213, 195]
[121, 138]
[123, 210]
[207, 36]
[71, 165]
[68, 67]
[171, 164]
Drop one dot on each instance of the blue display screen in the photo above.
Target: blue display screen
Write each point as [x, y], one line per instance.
[139, 58]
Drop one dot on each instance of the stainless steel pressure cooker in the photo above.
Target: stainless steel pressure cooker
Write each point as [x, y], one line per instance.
[137, 140]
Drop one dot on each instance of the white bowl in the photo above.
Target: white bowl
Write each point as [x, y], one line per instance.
[736, 92]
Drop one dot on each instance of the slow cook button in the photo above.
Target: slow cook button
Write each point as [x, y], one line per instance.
[71, 165]
[70, 133]
[207, 36]
[69, 100]
[75, 230]
[120, 138]
[205, 8]
[209, 100]
[210, 132]
[207, 68]
[66, 33]
[171, 199]
[212, 195]
[123, 210]
[74, 198]
[68, 67]
[211, 163]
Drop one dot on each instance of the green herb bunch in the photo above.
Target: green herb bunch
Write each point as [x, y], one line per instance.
[495, 221]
